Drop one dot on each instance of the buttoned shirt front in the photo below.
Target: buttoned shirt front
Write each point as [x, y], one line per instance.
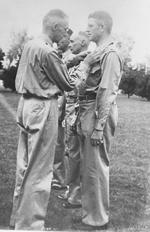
[103, 80]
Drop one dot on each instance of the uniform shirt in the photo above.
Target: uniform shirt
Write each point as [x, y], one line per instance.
[71, 70]
[41, 72]
[73, 64]
[103, 79]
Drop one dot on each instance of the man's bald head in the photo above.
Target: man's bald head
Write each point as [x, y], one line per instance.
[84, 36]
[79, 42]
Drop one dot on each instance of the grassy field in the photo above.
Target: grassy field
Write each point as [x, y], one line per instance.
[129, 170]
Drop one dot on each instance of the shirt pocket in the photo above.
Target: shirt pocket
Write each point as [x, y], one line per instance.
[43, 80]
[40, 74]
[94, 77]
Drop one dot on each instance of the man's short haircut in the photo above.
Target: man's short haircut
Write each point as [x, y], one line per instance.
[103, 16]
[56, 15]
[85, 36]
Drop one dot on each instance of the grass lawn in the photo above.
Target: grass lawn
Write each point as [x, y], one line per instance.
[129, 170]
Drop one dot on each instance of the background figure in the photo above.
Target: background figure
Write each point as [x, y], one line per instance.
[60, 167]
[78, 46]
[41, 77]
[97, 121]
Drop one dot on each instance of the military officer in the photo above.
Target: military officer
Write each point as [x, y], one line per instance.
[98, 117]
[78, 46]
[41, 77]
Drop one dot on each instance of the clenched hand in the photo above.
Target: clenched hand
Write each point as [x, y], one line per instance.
[92, 58]
[97, 138]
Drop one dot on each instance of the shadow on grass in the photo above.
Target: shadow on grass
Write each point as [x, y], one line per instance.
[127, 203]
[59, 218]
[128, 196]
[6, 195]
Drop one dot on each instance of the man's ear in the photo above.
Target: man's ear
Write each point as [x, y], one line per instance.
[83, 42]
[54, 26]
[102, 26]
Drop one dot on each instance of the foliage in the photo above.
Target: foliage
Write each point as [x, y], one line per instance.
[143, 86]
[128, 82]
[136, 82]
[9, 76]
[124, 45]
[18, 41]
[2, 54]
[13, 56]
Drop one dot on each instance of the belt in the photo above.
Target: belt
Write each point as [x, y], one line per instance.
[28, 96]
[87, 97]
[71, 99]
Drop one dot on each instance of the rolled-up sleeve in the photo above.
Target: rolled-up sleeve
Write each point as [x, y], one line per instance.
[108, 88]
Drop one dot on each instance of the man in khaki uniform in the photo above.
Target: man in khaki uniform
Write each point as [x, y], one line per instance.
[97, 121]
[78, 46]
[41, 77]
[59, 172]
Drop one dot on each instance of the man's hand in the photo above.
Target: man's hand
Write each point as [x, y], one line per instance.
[92, 58]
[82, 55]
[97, 138]
[75, 60]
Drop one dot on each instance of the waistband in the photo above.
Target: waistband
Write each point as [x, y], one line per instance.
[87, 97]
[29, 96]
[71, 99]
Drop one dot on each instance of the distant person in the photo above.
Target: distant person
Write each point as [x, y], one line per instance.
[58, 181]
[78, 46]
[98, 116]
[41, 77]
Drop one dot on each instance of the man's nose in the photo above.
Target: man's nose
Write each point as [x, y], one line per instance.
[87, 31]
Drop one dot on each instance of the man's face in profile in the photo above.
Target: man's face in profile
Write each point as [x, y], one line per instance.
[75, 44]
[93, 30]
[61, 31]
[63, 44]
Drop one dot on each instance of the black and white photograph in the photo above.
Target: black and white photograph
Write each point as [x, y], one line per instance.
[75, 115]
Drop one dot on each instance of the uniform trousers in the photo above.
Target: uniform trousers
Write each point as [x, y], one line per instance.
[38, 121]
[59, 160]
[95, 164]
[73, 150]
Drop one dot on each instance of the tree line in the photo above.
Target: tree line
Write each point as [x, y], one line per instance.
[9, 62]
[135, 82]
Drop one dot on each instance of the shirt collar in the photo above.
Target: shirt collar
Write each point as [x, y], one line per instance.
[46, 39]
[105, 44]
